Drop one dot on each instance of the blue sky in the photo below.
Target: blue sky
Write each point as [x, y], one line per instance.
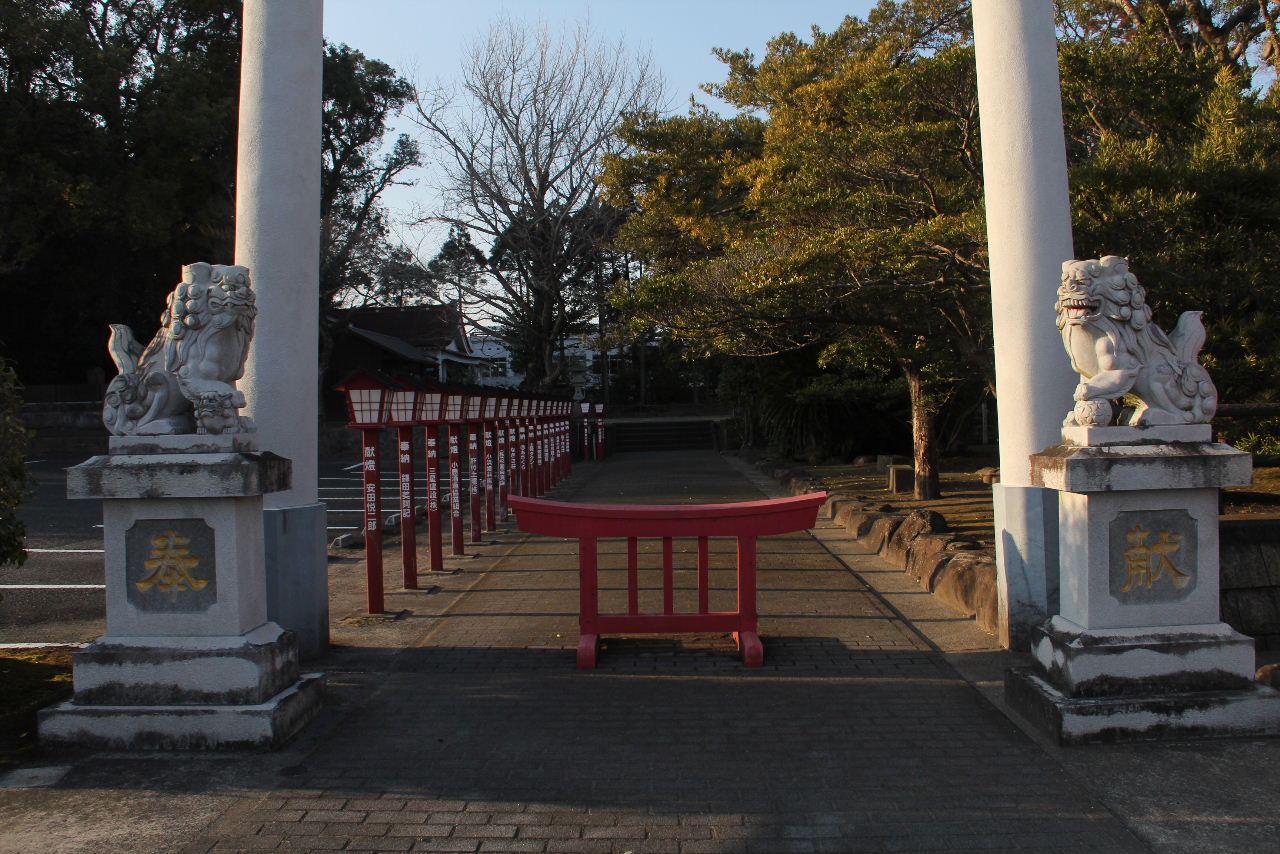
[424, 39]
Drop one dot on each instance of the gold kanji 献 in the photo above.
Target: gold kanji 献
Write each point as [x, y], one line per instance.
[1147, 562]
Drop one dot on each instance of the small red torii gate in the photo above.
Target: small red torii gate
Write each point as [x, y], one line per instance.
[744, 521]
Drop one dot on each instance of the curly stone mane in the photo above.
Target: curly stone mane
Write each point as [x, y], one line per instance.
[193, 361]
[1123, 356]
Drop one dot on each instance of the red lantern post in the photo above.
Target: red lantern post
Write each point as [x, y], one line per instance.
[566, 428]
[525, 472]
[548, 444]
[539, 449]
[488, 426]
[431, 412]
[474, 410]
[585, 408]
[600, 445]
[553, 443]
[368, 403]
[500, 429]
[454, 403]
[403, 413]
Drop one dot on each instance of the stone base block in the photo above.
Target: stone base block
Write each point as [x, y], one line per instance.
[162, 671]
[1250, 711]
[1142, 662]
[185, 727]
[900, 478]
[297, 573]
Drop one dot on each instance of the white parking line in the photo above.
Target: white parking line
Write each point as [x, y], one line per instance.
[53, 587]
[68, 551]
[41, 645]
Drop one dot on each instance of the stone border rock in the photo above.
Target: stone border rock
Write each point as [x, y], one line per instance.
[956, 570]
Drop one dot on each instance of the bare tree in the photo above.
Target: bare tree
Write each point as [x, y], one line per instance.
[521, 139]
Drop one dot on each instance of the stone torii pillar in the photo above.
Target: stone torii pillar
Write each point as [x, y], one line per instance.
[278, 238]
[1029, 235]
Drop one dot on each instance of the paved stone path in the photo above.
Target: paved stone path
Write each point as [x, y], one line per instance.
[479, 735]
[855, 736]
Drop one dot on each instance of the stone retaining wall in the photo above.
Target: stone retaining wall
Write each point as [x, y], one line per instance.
[1250, 555]
[963, 574]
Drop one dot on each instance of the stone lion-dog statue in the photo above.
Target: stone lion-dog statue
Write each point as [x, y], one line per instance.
[184, 380]
[1131, 372]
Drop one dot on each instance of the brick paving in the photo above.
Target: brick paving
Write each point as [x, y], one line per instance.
[856, 735]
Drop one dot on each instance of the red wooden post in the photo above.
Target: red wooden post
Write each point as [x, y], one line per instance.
[500, 430]
[526, 449]
[539, 451]
[748, 639]
[600, 445]
[473, 472]
[744, 521]
[553, 444]
[488, 428]
[562, 437]
[369, 405]
[586, 430]
[549, 447]
[435, 534]
[518, 485]
[588, 604]
[408, 514]
[455, 491]
[372, 519]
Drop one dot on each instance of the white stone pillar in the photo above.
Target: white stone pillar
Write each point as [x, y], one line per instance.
[278, 239]
[1029, 234]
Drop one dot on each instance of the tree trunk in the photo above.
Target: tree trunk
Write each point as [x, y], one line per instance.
[924, 441]
[643, 371]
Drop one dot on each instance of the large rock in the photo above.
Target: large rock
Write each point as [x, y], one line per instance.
[929, 553]
[917, 522]
[967, 582]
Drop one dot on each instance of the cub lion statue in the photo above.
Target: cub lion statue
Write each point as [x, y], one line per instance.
[1131, 372]
[184, 381]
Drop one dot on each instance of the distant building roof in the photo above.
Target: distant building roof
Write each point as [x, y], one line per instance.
[419, 333]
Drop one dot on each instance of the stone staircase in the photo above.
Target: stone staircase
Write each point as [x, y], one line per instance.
[653, 434]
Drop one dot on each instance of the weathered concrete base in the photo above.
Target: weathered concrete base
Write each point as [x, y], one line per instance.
[161, 671]
[1138, 662]
[297, 573]
[185, 727]
[186, 693]
[1250, 711]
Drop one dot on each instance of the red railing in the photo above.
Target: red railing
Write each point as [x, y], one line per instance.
[589, 523]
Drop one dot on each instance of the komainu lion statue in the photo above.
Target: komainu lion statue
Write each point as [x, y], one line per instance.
[1131, 372]
[184, 381]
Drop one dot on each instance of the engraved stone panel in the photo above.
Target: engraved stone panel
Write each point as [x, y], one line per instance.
[170, 565]
[1154, 556]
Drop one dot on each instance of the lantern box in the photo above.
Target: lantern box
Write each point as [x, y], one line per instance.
[368, 399]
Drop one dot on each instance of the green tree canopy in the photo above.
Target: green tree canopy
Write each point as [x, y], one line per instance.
[843, 209]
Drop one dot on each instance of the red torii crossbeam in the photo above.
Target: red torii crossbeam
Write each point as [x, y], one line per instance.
[589, 523]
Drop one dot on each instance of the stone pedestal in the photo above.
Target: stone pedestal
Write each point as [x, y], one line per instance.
[189, 659]
[1137, 650]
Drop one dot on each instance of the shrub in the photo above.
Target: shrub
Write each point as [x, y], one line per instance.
[15, 482]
